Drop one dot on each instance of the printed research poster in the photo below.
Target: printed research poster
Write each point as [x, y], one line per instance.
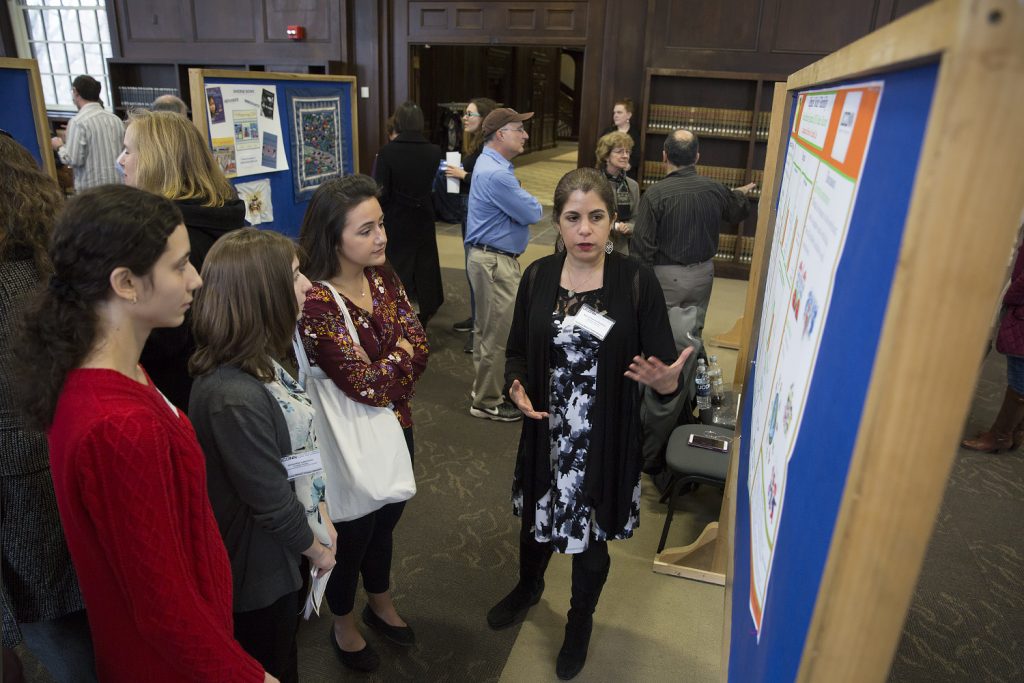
[828, 144]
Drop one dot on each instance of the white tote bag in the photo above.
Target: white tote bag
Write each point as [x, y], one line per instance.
[365, 455]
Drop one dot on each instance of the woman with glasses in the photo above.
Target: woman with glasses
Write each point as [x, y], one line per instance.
[472, 120]
[613, 152]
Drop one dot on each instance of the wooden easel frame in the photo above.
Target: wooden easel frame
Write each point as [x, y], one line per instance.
[42, 126]
[961, 225]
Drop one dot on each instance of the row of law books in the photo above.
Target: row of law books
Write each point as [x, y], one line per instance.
[710, 121]
[134, 96]
[653, 171]
[735, 249]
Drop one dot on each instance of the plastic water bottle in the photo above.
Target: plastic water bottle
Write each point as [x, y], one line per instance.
[703, 387]
[717, 384]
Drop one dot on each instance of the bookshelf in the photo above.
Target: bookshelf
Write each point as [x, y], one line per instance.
[730, 113]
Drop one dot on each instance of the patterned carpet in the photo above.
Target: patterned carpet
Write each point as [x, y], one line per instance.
[967, 615]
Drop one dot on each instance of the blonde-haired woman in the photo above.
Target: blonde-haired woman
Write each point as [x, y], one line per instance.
[166, 155]
[613, 153]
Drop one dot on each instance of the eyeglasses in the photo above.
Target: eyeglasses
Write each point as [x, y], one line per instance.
[470, 113]
[621, 150]
[520, 129]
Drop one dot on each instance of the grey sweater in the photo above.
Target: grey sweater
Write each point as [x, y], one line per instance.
[244, 436]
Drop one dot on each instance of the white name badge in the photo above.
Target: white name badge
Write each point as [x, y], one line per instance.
[298, 464]
[597, 324]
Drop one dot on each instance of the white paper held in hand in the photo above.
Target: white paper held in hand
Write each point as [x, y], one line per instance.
[317, 586]
[453, 159]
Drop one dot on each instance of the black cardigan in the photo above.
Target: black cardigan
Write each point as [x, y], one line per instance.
[634, 300]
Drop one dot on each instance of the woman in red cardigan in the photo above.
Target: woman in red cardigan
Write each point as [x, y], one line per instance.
[128, 472]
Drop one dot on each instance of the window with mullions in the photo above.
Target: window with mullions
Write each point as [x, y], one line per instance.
[68, 38]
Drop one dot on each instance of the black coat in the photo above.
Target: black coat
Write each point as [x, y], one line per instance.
[166, 353]
[634, 300]
[405, 171]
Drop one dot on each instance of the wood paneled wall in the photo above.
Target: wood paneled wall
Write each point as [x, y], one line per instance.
[373, 38]
[232, 31]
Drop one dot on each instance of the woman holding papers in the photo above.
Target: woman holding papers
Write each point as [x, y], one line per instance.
[590, 326]
[255, 425]
[472, 124]
[128, 473]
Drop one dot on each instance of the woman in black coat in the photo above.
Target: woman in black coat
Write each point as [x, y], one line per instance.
[590, 326]
[209, 205]
[405, 171]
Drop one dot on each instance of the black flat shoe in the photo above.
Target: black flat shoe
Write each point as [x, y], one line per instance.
[400, 635]
[360, 660]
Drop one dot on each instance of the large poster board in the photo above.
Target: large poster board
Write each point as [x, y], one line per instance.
[828, 144]
[24, 112]
[314, 129]
[878, 267]
[833, 255]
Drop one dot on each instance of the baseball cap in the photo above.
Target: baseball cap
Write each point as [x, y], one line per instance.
[502, 117]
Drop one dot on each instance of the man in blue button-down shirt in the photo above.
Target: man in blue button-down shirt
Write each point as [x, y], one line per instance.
[497, 231]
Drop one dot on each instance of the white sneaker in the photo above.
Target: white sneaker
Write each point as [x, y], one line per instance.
[503, 412]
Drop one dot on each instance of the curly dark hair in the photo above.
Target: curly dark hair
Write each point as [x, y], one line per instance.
[99, 230]
[32, 200]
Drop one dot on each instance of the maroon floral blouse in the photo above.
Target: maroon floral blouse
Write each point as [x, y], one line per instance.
[390, 377]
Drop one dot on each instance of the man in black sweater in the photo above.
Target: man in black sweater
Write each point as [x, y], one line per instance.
[677, 223]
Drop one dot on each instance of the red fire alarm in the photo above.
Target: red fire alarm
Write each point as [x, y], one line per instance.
[296, 32]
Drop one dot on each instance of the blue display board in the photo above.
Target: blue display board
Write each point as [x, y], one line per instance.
[824, 443]
[17, 116]
[288, 209]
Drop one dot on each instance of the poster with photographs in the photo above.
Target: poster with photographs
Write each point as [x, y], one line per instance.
[317, 124]
[245, 128]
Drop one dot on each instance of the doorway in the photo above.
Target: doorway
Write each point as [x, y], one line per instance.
[544, 80]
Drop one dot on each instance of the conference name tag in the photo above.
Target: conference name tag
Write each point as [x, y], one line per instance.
[597, 324]
[299, 464]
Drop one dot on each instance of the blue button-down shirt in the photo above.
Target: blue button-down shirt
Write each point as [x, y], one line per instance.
[500, 210]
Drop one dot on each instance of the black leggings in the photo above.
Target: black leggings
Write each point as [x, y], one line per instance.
[594, 559]
[364, 547]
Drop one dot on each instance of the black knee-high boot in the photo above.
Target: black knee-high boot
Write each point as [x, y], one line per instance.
[533, 562]
[587, 583]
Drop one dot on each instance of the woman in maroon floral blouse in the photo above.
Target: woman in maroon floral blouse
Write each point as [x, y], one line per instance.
[344, 240]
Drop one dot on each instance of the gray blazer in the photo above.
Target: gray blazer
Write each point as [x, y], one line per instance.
[244, 436]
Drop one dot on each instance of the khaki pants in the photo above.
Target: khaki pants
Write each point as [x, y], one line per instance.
[495, 282]
[688, 286]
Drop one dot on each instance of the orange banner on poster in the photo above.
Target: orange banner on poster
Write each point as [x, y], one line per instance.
[859, 103]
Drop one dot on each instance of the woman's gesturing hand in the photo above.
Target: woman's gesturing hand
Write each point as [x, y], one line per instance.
[652, 372]
[518, 395]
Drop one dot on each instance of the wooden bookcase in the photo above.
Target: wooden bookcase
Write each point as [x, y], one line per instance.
[135, 84]
[729, 112]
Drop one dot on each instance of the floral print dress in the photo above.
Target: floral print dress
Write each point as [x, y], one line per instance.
[298, 415]
[563, 516]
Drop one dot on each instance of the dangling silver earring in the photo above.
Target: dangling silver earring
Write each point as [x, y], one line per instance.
[559, 245]
[609, 247]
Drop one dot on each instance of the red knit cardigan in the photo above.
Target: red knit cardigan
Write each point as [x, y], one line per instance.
[130, 480]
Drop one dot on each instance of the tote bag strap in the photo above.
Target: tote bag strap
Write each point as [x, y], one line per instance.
[351, 326]
[300, 357]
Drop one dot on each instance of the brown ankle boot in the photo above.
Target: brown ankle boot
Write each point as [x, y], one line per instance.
[1003, 434]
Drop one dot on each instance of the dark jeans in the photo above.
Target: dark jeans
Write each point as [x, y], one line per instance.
[63, 646]
[268, 634]
[364, 548]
